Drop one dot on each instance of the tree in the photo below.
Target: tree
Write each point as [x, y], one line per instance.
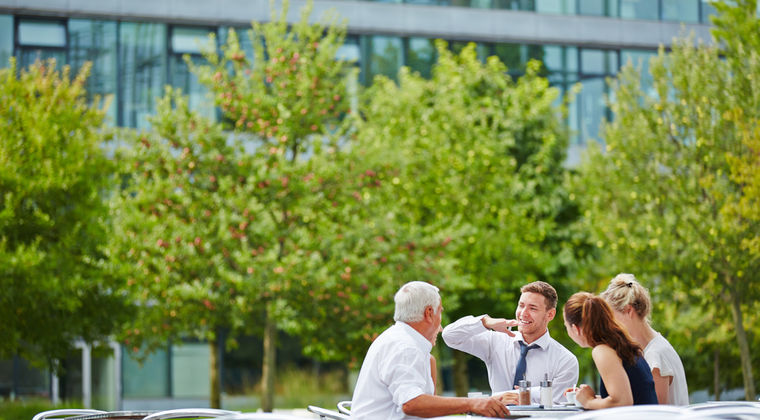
[661, 198]
[56, 286]
[479, 157]
[271, 226]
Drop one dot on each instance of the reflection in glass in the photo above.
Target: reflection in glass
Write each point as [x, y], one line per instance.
[421, 55]
[514, 4]
[6, 39]
[598, 7]
[592, 108]
[639, 9]
[603, 62]
[197, 93]
[147, 379]
[564, 7]
[707, 11]
[383, 55]
[350, 50]
[41, 40]
[95, 41]
[142, 54]
[191, 40]
[639, 59]
[680, 10]
[41, 33]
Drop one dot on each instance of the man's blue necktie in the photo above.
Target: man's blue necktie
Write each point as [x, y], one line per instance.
[521, 364]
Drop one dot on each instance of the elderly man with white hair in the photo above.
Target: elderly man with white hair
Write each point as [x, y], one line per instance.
[395, 381]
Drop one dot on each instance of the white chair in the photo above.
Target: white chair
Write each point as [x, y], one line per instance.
[633, 412]
[724, 410]
[345, 407]
[65, 412]
[189, 413]
[260, 416]
[326, 414]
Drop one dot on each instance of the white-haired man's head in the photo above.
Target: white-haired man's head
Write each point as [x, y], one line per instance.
[412, 299]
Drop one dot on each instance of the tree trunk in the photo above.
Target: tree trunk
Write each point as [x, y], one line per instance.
[716, 374]
[741, 338]
[461, 387]
[216, 389]
[270, 360]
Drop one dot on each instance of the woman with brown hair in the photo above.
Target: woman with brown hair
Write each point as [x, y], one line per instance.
[626, 378]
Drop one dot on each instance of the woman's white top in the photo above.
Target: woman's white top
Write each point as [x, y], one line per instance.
[660, 354]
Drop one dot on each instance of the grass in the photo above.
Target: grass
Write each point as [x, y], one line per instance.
[26, 409]
[297, 389]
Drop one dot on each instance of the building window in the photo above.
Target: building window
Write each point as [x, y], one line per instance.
[563, 7]
[142, 60]
[40, 40]
[680, 10]
[6, 40]
[191, 42]
[598, 7]
[95, 41]
[707, 11]
[595, 66]
[640, 9]
[381, 55]
[421, 55]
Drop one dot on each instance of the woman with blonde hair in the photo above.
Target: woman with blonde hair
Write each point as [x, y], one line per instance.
[631, 305]
[626, 378]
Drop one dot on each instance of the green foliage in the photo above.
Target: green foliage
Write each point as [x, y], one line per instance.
[662, 198]
[27, 409]
[55, 173]
[216, 229]
[478, 157]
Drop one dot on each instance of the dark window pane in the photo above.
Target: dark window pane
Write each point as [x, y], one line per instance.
[514, 4]
[681, 10]
[383, 55]
[592, 108]
[639, 9]
[564, 7]
[198, 94]
[421, 56]
[598, 7]
[707, 11]
[147, 379]
[27, 56]
[602, 62]
[95, 41]
[143, 68]
[6, 39]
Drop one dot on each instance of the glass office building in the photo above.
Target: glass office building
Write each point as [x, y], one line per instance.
[136, 47]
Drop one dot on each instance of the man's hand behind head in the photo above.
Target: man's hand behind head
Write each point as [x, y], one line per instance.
[499, 324]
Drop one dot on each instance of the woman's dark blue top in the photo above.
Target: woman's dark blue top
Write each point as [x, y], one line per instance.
[642, 383]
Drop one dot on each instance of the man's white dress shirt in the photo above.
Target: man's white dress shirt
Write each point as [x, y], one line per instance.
[395, 370]
[500, 352]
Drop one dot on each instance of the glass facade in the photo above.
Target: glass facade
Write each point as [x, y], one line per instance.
[40, 40]
[143, 68]
[95, 41]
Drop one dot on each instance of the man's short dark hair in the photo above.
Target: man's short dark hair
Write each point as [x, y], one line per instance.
[542, 288]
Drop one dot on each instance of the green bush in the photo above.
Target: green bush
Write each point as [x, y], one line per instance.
[23, 410]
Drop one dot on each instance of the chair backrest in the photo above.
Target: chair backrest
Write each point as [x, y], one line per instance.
[345, 407]
[65, 412]
[327, 414]
[189, 413]
[260, 416]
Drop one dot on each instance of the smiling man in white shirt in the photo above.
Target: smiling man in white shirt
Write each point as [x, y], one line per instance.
[395, 381]
[531, 353]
